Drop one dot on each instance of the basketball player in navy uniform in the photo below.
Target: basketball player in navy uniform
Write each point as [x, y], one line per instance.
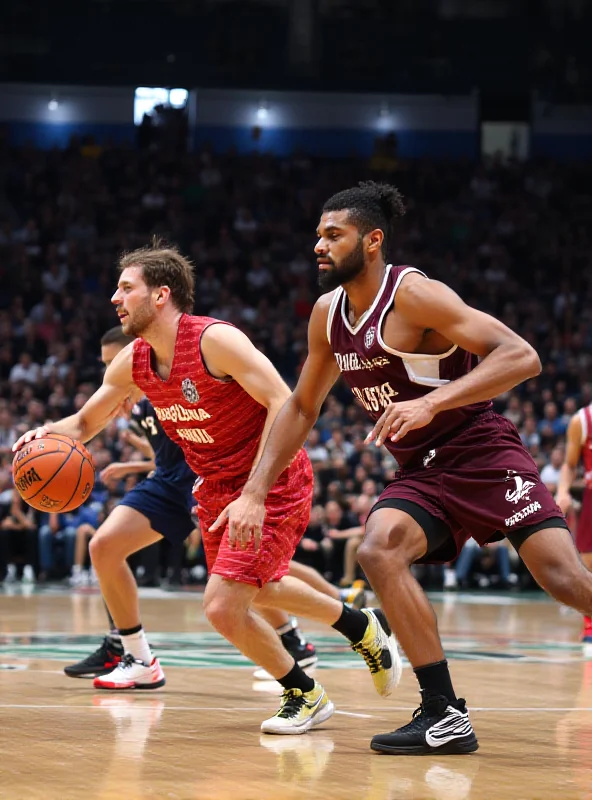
[425, 366]
[163, 503]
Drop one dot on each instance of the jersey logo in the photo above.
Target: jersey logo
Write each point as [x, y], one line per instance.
[521, 490]
[190, 393]
[430, 457]
[369, 337]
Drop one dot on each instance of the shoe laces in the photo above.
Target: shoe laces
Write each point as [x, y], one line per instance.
[429, 708]
[292, 702]
[127, 661]
[372, 658]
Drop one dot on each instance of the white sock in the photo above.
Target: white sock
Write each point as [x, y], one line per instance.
[137, 645]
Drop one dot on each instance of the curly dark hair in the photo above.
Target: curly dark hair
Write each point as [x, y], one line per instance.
[370, 205]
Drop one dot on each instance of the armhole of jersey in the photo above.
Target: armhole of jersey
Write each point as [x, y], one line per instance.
[331, 314]
[228, 378]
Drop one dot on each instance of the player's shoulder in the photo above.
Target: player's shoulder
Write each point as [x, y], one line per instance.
[325, 301]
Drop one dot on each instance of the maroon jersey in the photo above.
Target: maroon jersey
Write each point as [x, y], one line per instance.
[379, 375]
[215, 421]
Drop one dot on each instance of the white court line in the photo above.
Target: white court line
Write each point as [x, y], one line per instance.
[354, 714]
[383, 709]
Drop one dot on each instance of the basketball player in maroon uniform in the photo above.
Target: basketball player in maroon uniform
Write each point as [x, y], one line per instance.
[579, 444]
[217, 396]
[424, 366]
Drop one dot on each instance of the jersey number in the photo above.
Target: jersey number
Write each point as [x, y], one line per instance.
[149, 424]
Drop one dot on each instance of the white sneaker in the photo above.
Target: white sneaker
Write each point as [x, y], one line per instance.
[131, 673]
[28, 574]
[300, 711]
[78, 578]
[10, 573]
[449, 578]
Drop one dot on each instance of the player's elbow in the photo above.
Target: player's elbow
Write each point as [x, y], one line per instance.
[529, 359]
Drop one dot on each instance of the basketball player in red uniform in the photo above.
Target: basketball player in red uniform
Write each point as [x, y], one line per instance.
[424, 366]
[579, 444]
[217, 396]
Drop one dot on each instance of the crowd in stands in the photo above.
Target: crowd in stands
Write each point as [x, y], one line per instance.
[512, 238]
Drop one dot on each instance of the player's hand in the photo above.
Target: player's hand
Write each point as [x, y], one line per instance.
[245, 517]
[400, 418]
[113, 472]
[564, 501]
[34, 433]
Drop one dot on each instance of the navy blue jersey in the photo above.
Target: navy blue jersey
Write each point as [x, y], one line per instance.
[169, 458]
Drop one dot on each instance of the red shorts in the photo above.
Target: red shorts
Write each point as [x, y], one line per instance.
[584, 526]
[288, 507]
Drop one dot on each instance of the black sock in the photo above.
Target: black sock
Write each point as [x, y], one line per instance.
[130, 631]
[434, 680]
[114, 642]
[352, 624]
[291, 639]
[297, 679]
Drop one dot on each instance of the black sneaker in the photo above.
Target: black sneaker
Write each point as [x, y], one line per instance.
[102, 661]
[438, 727]
[303, 652]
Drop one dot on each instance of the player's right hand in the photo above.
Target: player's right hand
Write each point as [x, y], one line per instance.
[35, 433]
[564, 501]
[245, 517]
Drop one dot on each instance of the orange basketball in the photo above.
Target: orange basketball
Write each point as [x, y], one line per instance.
[54, 473]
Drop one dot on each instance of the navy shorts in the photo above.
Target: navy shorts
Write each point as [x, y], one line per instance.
[165, 504]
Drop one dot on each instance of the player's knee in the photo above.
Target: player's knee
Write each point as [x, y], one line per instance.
[223, 616]
[395, 544]
[102, 551]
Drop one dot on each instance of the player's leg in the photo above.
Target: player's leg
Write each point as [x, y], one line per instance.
[291, 637]
[228, 605]
[394, 541]
[353, 595]
[583, 540]
[550, 555]
[124, 532]
[84, 533]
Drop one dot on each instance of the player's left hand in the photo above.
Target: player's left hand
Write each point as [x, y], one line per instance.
[245, 517]
[400, 418]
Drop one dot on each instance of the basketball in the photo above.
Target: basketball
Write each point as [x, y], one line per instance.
[54, 473]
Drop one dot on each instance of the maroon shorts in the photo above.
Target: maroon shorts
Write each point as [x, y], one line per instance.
[288, 511]
[480, 483]
[584, 526]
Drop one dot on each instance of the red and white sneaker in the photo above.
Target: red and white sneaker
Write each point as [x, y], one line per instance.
[132, 674]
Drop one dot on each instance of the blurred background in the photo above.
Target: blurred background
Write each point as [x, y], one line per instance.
[224, 126]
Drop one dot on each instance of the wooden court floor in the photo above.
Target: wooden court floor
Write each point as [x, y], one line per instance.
[516, 660]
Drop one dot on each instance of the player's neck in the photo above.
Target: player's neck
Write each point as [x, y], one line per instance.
[362, 291]
[162, 338]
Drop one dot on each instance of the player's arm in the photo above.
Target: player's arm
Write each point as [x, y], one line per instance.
[507, 359]
[227, 352]
[99, 410]
[289, 431]
[567, 474]
[140, 443]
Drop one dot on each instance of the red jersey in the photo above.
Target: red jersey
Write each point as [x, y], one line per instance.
[215, 421]
[379, 375]
[585, 417]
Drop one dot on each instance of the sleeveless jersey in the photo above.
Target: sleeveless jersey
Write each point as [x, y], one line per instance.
[379, 375]
[214, 421]
[585, 416]
[169, 458]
